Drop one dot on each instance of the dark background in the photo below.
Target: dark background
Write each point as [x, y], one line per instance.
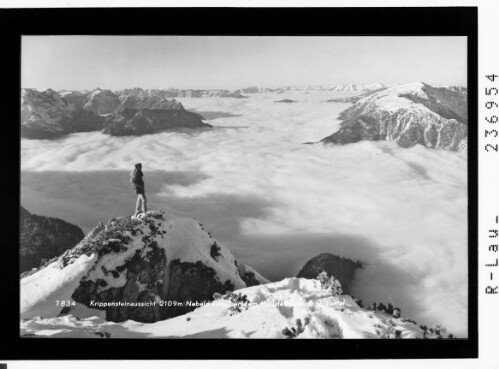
[434, 21]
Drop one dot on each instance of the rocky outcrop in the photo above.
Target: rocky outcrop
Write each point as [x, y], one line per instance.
[42, 238]
[145, 269]
[145, 121]
[418, 113]
[341, 268]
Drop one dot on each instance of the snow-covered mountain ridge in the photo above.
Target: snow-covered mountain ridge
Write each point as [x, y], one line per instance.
[416, 113]
[155, 257]
[291, 308]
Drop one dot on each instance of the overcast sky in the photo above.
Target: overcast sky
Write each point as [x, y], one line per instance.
[116, 62]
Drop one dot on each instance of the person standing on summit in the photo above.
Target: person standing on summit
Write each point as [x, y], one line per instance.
[138, 183]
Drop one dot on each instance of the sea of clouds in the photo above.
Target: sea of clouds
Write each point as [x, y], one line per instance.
[276, 202]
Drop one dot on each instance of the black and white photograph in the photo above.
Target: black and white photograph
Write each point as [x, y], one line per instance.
[244, 187]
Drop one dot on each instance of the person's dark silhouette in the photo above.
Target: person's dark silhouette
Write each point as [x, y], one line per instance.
[138, 183]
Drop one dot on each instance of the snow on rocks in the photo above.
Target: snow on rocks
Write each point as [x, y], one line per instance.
[416, 113]
[296, 305]
[43, 292]
[134, 262]
[102, 102]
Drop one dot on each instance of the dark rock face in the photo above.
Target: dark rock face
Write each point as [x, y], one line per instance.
[286, 101]
[342, 269]
[43, 238]
[132, 122]
[192, 282]
[177, 282]
[436, 119]
[82, 121]
[215, 251]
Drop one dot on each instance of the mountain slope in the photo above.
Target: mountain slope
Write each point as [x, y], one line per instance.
[417, 113]
[43, 238]
[136, 263]
[291, 308]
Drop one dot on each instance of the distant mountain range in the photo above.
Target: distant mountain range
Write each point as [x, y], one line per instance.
[333, 87]
[416, 113]
[174, 92]
[49, 114]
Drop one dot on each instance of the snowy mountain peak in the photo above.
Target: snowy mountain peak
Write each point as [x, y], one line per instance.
[150, 258]
[410, 114]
